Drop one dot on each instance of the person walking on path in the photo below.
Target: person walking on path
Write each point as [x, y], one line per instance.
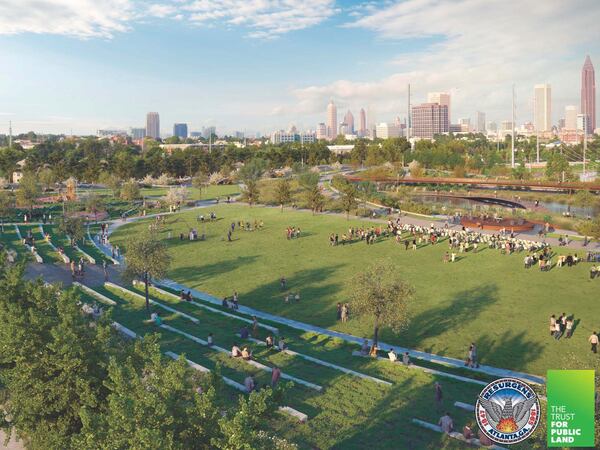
[593, 339]
[105, 269]
[439, 396]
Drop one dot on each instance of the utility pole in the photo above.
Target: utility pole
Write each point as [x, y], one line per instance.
[10, 134]
[409, 116]
[512, 145]
[584, 143]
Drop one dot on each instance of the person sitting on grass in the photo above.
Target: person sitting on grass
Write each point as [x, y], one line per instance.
[405, 359]
[181, 295]
[244, 333]
[210, 340]
[446, 423]
[468, 433]
[393, 356]
[155, 318]
[235, 351]
[246, 354]
[276, 375]
[373, 351]
[364, 350]
[269, 341]
[249, 383]
[281, 345]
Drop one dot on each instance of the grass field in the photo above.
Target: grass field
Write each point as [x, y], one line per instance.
[485, 297]
[349, 413]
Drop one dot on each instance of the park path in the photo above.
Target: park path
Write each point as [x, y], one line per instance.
[444, 360]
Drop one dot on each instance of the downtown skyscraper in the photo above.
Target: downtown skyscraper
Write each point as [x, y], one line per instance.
[362, 123]
[542, 120]
[332, 125]
[588, 94]
[153, 125]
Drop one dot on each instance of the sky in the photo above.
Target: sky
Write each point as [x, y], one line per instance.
[75, 66]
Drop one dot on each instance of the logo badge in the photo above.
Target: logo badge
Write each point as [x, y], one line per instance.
[508, 411]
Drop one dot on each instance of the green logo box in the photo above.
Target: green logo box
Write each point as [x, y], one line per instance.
[570, 408]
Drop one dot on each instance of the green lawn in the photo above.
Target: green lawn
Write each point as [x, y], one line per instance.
[350, 413]
[48, 254]
[485, 297]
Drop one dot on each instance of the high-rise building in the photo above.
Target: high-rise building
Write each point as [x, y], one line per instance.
[582, 121]
[137, 133]
[465, 124]
[153, 125]
[180, 130]
[349, 121]
[208, 131]
[388, 130]
[322, 131]
[429, 119]
[332, 123]
[571, 117]
[441, 98]
[480, 122]
[362, 125]
[542, 120]
[588, 94]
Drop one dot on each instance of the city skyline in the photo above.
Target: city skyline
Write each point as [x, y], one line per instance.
[97, 73]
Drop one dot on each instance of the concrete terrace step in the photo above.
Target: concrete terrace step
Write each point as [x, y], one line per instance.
[152, 302]
[98, 295]
[251, 362]
[35, 254]
[302, 418]
[454, 434]
[437, 359]
[325, 363]
[426, 370]
[208, 308]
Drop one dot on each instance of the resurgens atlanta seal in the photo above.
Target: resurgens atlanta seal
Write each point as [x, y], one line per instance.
[508, 411]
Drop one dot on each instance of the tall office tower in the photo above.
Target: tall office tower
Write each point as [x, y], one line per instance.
[349, 121]
[322, 131]
[137, 133]
[441, 98]
[153, 125]
[429, 119]
[465, 124]
[362, 123]
[480, 122]
[180, 130]
[571, 117]
[588, 94]
[542, 120]
[332, 123]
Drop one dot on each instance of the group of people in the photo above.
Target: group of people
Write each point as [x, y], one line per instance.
[343, 312]
[558, 327]
[77, 269]
[250, 382]
[244, 225]
[212, 217]
[292, 232]
[369, 235]
[232, 302]
[185, 296]
[192, 235]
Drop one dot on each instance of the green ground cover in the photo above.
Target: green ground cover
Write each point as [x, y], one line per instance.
[43, 248]
[349, 413]
[485, 297]
[10, 240]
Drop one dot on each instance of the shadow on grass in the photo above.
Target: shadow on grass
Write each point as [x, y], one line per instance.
[197, 274]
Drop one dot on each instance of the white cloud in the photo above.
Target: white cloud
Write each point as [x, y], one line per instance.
[480, 48]
[162, 10]
[264, 18]
[79, 18]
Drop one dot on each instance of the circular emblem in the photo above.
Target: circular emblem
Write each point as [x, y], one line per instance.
[507, 411]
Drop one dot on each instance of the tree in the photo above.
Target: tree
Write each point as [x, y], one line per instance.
[200, 182]
[146, 257]
[283, 192]
[315, 198]
[47, 178]
[175, 196]
[130, 190]
[308, 180]
[348, 198]
[415, 169]
[366, 190]
[590, 228]
[28, 191]
[379, 294]
[557, 166]
[7, 203]
[93, 204]
[73, 227]
[585, 199]
[252, 170]
[112, 182]
[53, 362]
[250, 192]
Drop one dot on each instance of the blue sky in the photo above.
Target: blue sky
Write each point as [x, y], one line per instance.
[258, 65]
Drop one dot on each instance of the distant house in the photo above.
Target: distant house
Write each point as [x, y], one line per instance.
[18, 173]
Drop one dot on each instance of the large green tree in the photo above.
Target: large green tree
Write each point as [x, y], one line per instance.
[348, 198]
[146, 257]
[28, 190]
[283, 192]
[380, 295]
